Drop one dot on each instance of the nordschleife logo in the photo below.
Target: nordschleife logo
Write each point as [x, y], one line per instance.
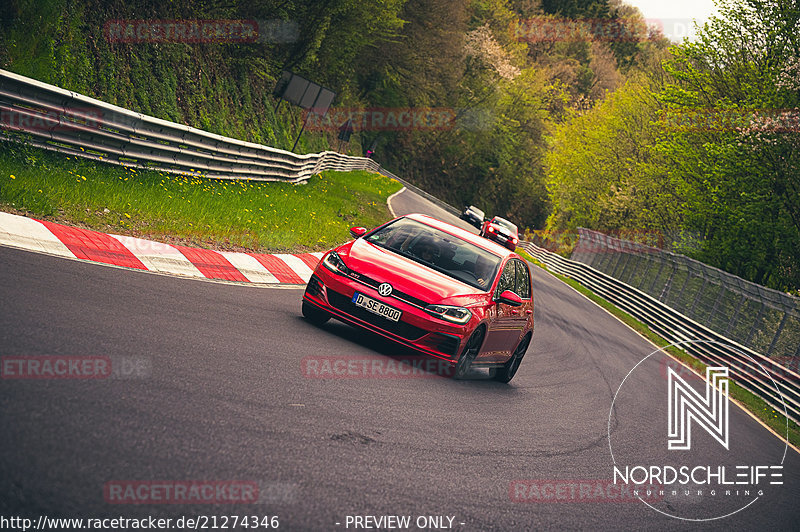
[686, 405]
[675, 446]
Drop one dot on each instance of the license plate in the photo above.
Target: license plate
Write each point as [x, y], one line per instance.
[376, 307]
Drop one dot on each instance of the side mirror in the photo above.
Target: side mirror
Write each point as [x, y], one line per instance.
[510, 298]
[358, 232]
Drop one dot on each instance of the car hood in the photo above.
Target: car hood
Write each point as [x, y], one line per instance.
[406, 275]
[502, 230]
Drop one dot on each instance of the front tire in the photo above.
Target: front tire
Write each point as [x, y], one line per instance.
[313, 314]
[507, 372]
[470, 353]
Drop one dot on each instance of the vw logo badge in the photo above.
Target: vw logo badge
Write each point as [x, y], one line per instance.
[385, 289]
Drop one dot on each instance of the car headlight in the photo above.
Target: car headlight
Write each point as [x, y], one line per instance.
[334, 263]
[450, 313]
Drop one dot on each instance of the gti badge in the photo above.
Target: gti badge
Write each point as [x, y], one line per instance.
[385, 289]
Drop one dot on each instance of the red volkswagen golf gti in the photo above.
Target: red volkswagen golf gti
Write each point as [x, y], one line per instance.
[433, 287]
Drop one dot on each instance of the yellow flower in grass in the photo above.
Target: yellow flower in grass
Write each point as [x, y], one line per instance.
[127, 215]
[13, 176]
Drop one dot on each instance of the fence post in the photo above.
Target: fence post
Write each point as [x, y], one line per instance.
[658, 274]
[645, 272]
[698, 296]
[668, 285]
[777, 334]
[722, 292]
[755, 325]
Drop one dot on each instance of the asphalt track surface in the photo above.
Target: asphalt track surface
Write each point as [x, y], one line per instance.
[222, 397]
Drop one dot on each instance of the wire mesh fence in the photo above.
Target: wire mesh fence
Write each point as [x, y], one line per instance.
[765, 320]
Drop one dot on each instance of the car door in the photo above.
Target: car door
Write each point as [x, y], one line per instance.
[507, 323]
[524, 288]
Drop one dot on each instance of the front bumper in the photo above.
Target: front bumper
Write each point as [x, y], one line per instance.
[416, 329]
[503, 240]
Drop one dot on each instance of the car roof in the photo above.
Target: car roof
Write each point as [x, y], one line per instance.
[504, 220]
[472, 238]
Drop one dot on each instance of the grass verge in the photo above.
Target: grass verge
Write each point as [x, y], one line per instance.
[214, 213]
[753, 403]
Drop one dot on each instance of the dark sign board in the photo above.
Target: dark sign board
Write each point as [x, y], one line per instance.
[306, 94]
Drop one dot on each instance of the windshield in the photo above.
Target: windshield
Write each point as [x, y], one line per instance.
[441, 251]
[505, 223]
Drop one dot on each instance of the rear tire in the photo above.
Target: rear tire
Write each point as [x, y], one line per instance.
[313, 314]
[470, 352]
[507, 372]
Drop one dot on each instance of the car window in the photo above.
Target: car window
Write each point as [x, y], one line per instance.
[523, 281]
[443, 252]
[505, 223]
[508, 278]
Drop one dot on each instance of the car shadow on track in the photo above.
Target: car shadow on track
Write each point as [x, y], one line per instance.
[402, 354]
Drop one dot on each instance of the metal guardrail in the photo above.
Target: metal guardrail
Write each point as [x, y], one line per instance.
[52, 118]
[765, 320]
[745, 364]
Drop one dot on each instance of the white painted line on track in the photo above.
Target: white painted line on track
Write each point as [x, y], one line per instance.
[389, 201]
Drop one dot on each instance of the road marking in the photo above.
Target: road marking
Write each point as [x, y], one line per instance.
[389, 201]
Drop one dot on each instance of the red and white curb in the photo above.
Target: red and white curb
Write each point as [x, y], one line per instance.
[76, 243]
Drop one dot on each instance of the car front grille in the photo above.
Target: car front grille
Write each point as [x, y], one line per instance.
[314, 286]
[395, 293]
[400, 328]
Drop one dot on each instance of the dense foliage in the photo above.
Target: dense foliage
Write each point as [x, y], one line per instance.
[705, 151]
[577, 128]
[505, 93]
